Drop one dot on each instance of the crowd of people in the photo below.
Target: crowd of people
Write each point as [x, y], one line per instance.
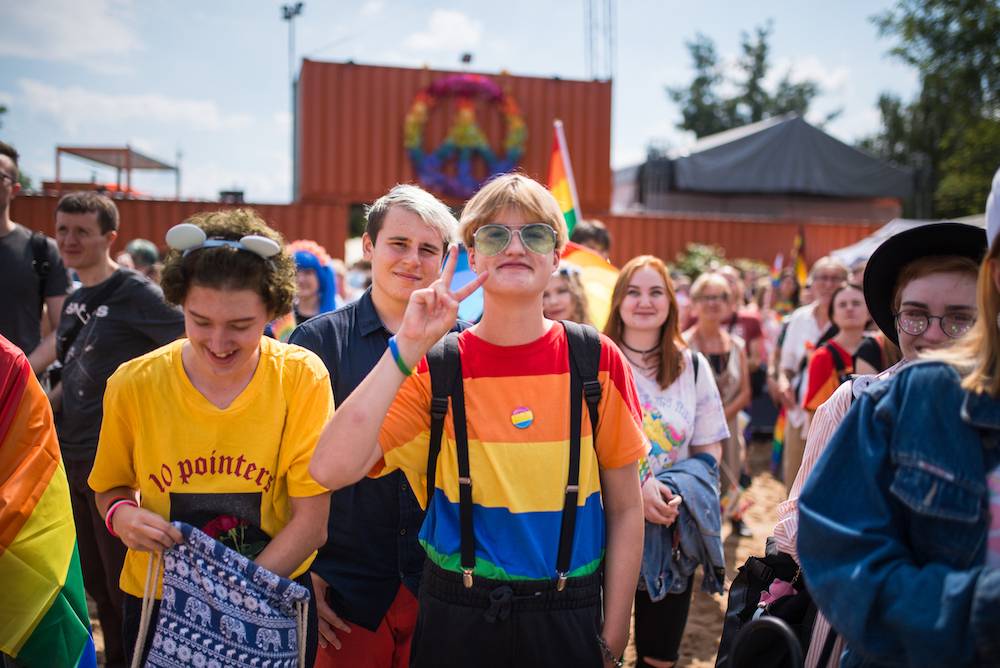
[511, 491]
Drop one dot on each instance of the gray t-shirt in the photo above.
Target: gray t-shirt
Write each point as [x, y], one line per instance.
[129, 322]
[21, 292]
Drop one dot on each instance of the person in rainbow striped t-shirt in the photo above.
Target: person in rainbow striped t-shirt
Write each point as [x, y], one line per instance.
[515, 606]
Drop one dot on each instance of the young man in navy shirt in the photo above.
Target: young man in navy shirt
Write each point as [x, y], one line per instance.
[366, 576]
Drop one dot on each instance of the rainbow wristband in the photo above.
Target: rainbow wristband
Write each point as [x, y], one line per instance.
[113, 508]
[394, 349]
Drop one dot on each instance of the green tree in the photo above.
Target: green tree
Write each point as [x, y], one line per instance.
[955, 46]
[705, 111]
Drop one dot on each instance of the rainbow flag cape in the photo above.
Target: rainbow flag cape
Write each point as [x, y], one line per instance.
[561, 182]
[43, 610]
[598, 277]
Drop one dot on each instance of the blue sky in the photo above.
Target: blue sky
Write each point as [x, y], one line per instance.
[210, 79]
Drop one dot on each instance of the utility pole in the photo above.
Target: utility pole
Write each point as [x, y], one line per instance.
[288, 13]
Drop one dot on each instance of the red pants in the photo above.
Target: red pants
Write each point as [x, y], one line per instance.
[386, 647]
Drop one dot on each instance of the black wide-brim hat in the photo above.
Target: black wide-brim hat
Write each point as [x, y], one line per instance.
[888, 260]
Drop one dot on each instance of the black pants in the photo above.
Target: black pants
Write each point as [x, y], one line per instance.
[101, 559]
[659, 626]
[132, 614]
[497, 624]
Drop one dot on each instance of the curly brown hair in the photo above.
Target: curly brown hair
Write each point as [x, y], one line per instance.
[228, 268]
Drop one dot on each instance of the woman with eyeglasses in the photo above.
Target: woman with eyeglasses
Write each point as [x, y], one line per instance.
[217, 429]
[564, 297]
[893, 524]
[683, 419]
[727, 358]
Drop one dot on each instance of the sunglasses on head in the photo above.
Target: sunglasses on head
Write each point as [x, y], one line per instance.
[493, 239]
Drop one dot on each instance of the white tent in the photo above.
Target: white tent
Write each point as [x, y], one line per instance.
[860, 251]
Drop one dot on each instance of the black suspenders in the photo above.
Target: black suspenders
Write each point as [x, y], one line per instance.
[446, 382]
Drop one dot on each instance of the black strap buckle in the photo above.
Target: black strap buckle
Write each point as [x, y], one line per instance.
[439, 407]
[592, 390]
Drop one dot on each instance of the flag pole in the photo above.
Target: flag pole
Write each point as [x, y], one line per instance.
[564, 152]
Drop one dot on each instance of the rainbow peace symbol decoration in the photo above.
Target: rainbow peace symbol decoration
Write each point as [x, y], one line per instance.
[465, 141]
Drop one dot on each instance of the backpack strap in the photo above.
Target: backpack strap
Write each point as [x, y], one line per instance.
[838, 363]
[445, 365]
[694, 366]
[40, 263]
[584, 362]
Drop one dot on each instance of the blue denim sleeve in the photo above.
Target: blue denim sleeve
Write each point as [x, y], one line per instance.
[855, 545]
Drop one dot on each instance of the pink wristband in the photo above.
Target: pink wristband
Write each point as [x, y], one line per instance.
[115, 505]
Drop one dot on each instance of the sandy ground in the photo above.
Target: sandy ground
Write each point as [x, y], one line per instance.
[704, 626]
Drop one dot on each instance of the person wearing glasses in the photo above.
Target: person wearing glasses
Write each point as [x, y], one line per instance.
[513, 606]
[727, 357]
[920, 288]
[32, 273]
[806, 326]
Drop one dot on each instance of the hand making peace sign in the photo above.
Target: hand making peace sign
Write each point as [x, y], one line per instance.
[433, 311]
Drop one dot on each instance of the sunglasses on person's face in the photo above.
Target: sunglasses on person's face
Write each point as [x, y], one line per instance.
[493, 239]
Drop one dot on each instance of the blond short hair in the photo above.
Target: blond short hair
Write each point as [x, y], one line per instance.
[416, 200]
[710, 279]
[514, 191]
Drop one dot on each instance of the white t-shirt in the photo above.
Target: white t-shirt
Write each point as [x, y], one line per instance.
[681, 415]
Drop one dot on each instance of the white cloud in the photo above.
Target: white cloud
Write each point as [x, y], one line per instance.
[830, 79]
[96, 34]
[74, 107]
[372, 8]
[446, 30]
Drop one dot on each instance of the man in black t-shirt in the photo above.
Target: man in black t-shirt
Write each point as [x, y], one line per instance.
[116, 315]
[25, 287]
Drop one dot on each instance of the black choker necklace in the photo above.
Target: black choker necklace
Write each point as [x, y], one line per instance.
[641, 352]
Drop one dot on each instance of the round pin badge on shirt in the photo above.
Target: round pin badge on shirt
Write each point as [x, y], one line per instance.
[522, 417]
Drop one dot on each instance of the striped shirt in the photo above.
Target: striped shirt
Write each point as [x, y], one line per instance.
[824, 424]
[517, 411]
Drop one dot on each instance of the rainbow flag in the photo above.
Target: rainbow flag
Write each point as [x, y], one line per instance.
[799, 253]
[43, 610]
[598, 277]
[561, 182]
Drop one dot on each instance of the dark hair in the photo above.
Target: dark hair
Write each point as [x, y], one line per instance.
[86, 201]
[228, 268]
[11, 152]
[591, 230]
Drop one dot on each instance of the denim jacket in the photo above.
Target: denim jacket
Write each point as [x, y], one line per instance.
[893, 524]
[699, 522]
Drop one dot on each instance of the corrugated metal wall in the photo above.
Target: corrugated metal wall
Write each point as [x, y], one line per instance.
[632, 235]
[665, 236]
[150, 219]
[351, 129]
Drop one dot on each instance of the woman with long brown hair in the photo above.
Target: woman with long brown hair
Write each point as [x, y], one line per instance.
[683, 419]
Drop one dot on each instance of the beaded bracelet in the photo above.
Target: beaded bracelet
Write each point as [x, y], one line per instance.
[608, 655]
[394, 349]
[113, 508]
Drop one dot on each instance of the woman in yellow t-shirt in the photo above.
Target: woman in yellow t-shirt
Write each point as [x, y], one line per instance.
[217, 429]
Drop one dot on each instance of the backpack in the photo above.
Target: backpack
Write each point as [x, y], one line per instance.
[445, 366]
[839, 364]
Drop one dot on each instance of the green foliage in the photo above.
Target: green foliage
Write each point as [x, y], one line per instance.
[967, 171]
[704, 111]
[696, 259]
[955, 46]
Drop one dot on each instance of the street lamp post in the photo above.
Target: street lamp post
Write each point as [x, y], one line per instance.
[288, 13]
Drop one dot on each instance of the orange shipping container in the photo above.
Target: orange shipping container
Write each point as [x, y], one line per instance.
[350, 125]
